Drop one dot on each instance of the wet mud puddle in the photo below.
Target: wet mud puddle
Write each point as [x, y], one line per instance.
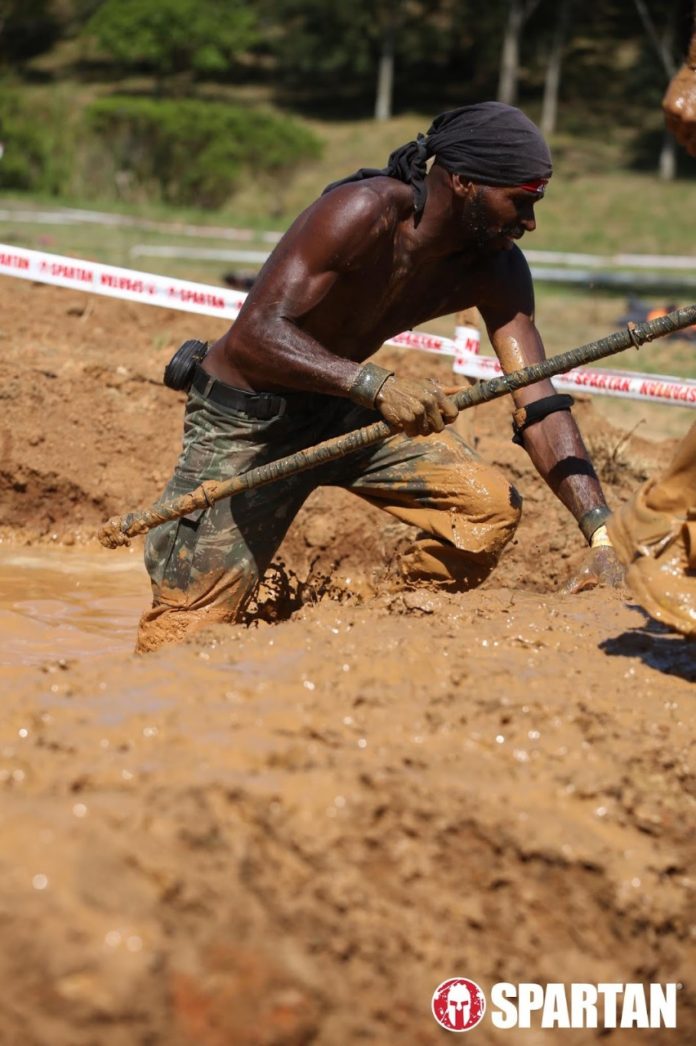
[58, 603]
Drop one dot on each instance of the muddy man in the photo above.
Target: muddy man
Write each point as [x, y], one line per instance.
[655, 533]
[379, 252]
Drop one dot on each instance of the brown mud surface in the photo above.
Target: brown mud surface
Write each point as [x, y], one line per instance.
[291, 832]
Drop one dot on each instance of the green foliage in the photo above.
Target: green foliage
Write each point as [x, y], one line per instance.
[37, 142]
[196, 152]
[316, 55]
[170, 36]
[323, 42]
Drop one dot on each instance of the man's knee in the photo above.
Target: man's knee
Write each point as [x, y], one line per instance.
[463, 546]
[462, 552]
[498, 516]
[485, 515]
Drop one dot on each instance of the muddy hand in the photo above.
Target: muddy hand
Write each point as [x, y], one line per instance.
[111, 533]
[415, 406]
[679, 106]
[600, 566]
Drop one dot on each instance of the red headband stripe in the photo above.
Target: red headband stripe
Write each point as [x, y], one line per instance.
[537, 187]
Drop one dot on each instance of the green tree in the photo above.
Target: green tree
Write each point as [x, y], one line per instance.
[173, 36]
[195, 152]
[38, 136]
[340, 45]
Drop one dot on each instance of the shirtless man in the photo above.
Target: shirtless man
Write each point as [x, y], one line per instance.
[377, 253]
[655, 533]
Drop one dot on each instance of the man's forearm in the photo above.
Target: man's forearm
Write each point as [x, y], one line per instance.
[556, 449]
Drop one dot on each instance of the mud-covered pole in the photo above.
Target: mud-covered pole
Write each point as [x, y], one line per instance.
[119, 529]
[634, 334]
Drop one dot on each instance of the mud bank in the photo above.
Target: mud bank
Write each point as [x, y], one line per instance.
[291, 833]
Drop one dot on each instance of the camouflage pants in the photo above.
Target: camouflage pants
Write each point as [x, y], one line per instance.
[205, 566]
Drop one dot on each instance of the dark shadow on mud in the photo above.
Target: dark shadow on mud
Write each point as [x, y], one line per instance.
[656, 647]
[282, 592]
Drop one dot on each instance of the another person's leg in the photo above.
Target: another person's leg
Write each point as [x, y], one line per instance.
[654, 535]
[465, 510]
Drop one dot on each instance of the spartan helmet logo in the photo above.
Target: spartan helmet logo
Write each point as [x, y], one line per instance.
[459, 1004]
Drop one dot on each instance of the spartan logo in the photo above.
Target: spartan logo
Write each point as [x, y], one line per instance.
[458, 1004]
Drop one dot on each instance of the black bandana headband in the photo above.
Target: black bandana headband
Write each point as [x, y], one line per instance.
[490, 143]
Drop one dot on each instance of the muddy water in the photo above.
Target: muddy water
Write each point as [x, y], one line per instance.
[60, 603]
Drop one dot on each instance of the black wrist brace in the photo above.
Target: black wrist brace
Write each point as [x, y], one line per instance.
[523, 417]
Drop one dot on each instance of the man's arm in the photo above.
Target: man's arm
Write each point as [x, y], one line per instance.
[679, 102]
[269, 342]
[553, 443]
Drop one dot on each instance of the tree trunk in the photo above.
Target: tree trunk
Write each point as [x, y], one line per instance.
[385, 73]
[510, 55]
[668, 158]
[387, 14]
[663, 46]
[518, 13]
[667, 165]
[552, 83]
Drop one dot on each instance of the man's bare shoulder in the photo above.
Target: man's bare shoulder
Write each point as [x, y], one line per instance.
[370, 197]
[358, 213]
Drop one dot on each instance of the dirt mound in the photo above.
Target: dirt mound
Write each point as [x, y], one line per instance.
[291, 833]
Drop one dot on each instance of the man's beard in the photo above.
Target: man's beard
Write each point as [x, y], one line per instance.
[477, 222]
[484, 239]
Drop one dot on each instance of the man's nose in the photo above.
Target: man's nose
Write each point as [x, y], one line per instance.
[529, 223]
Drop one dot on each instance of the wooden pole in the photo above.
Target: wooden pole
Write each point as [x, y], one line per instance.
[119, 529]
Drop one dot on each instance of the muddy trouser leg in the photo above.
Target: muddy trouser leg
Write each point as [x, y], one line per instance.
[466, 510]
[205, 567]
[675, 489]
[654, 535]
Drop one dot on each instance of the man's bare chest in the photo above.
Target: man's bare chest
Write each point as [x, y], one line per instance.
[372, 304]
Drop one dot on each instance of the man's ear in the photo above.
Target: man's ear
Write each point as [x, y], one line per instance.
[462, 186]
